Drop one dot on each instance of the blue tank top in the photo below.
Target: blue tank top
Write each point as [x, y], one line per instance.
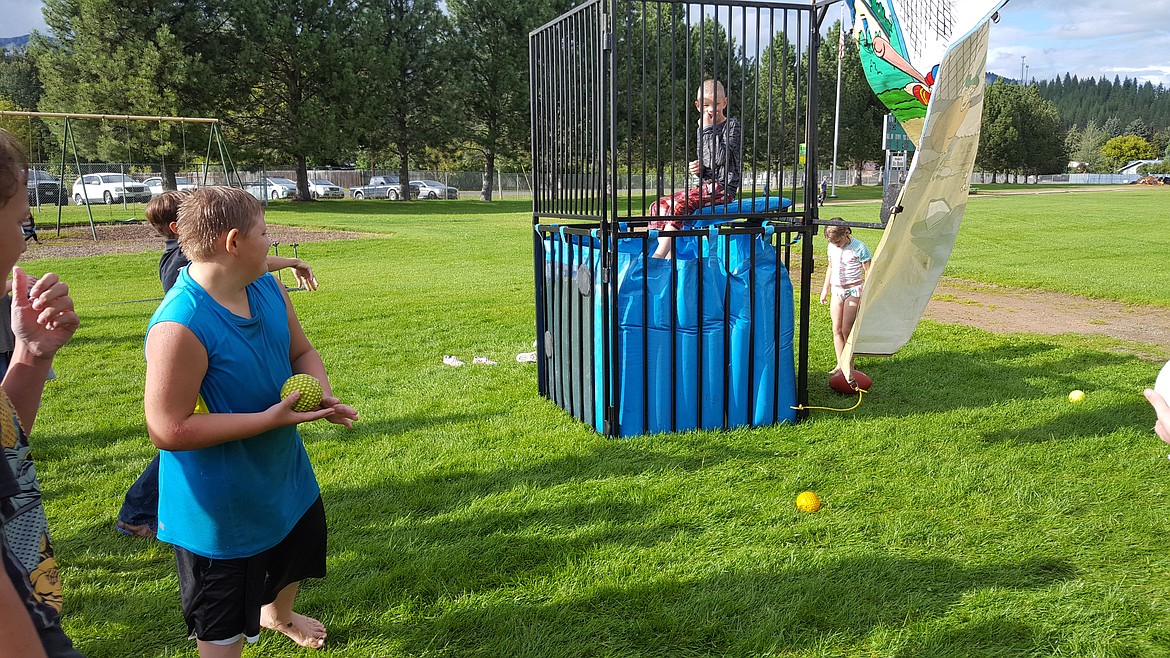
[239, 498]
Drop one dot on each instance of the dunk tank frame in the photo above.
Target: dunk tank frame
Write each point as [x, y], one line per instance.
[715, 336]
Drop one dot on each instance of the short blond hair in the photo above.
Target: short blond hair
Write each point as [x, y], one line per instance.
[208, 212]
[713, 87]
[13, 167]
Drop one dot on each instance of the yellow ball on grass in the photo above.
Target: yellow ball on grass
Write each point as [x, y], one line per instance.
[808, 502]
[1077, 396]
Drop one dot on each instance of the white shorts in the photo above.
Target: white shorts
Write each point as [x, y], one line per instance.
[845, 293]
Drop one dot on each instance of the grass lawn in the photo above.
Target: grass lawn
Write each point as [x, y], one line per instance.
[969, 508]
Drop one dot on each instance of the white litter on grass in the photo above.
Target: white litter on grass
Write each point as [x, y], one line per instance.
[526, 357]
[483, 361]
[452, 361]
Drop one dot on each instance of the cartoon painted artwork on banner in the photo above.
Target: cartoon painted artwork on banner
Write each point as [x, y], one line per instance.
[901, 43]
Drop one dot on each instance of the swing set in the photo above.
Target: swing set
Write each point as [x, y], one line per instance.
[215, 144]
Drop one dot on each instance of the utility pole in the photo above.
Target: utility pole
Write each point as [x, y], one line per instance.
[837, 112]
[1022, 68]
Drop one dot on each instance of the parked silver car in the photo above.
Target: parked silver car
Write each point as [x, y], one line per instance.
[272, 187]
[433, 189]
[319, 188]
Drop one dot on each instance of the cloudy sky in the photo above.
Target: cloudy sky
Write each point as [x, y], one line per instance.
[1130, 38]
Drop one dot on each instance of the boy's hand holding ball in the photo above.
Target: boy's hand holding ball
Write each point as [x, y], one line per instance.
[309, 388]
[313, 400]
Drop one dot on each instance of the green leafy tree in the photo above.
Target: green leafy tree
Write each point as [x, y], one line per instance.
[410, 80]
[300, 106]
[1087, 148]
[494, 96]
[20, 90]
[140, 57]
[1124, 149]
[1040, 129]
[1021, 132]
[19, 82]
[862, 117]
[999, 138]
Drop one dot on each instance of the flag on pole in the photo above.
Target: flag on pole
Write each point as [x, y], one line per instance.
[841, 36]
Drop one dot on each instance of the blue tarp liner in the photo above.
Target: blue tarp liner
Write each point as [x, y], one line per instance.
[728, 354]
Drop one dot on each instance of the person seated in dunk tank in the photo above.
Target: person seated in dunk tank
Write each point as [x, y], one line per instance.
[720, 149]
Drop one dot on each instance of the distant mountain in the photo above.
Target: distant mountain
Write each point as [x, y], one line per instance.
[14, 43]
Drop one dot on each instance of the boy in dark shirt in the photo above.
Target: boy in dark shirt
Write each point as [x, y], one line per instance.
[718, 167]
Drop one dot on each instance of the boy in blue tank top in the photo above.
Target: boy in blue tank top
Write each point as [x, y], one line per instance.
[238, 498]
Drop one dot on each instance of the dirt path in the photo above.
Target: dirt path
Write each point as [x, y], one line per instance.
[1018, 310]
[134, 238]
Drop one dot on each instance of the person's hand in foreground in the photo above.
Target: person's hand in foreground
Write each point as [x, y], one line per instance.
[1162, 427]
[42, 313]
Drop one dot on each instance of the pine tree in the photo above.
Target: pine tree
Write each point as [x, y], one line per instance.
[494, 98]
[140, 57]
[410, 79]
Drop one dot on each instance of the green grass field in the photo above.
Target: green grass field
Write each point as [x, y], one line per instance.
[969, 509]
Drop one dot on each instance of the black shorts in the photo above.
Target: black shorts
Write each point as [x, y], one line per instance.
[221, 599]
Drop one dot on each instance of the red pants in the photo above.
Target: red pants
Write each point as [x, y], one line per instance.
[685, 202]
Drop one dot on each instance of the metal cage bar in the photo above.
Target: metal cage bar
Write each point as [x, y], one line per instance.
[615, 130]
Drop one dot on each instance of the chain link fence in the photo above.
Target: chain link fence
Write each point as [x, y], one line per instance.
[130, 183]
[50, 183]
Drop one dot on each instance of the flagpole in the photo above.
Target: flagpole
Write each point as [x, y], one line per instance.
[837, 112]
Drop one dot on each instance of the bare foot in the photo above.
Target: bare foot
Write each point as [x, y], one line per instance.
[305, 631]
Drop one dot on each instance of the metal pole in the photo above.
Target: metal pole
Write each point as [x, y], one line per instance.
[837, 112]
[104, 117]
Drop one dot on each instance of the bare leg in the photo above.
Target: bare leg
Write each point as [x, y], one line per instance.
[843, 312]
[209, 650]
[279, 616]
[665, 248]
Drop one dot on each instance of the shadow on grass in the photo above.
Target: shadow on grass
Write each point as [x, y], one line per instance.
[749, 612]
[1080, 421]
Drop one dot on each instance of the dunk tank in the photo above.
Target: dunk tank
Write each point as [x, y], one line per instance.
[714, 335]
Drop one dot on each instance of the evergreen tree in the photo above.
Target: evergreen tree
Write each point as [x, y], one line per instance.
[19, 82]
[1021, 131]
[494, 98]
[1139, 128]
[140, 57]
[301, 103]
[862, 119]
[1088, 148]
[410, 80]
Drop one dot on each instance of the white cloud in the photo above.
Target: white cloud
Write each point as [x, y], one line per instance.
[1090, 38]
